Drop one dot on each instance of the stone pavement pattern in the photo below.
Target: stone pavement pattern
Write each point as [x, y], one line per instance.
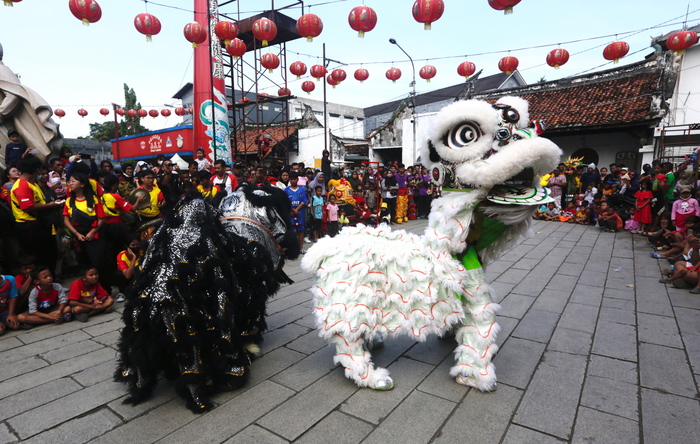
[593, 349]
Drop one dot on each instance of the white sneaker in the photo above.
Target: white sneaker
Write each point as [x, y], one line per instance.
[307, 240]
[120, 297]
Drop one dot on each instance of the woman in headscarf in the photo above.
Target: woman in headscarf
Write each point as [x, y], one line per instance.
[319, 180]
[354, 180]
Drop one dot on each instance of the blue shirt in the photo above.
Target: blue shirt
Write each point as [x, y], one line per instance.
[297, 197]
[8, 289]
[13, 153]
[317, 204]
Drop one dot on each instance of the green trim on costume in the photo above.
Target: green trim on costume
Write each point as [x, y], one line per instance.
[491, 230]
[470, 260]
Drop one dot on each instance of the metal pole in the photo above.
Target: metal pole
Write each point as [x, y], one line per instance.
[116, 132]
[325, 112]
[413, 96]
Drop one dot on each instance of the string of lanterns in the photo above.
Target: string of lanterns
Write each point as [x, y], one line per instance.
[361, 19]
[132, 113]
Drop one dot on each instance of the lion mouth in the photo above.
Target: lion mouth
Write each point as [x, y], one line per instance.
[524, 178]
[519, 190]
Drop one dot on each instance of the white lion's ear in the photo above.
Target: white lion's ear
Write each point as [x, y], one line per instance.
[460, 132]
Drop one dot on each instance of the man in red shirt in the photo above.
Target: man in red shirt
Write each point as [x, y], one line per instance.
[223, 179]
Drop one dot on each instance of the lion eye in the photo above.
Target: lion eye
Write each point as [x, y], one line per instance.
[511, 116]
[462, 135]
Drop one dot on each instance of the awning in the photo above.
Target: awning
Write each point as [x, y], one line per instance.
[387, 147]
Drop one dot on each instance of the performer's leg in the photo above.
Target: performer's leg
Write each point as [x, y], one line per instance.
[477, 334]
[358, 364]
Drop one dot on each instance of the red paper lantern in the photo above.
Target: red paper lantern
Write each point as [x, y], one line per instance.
[153, 113]
[104, 111]
[270, 61]
[190, 110]
[393, 74]
[427, 72]
[244, 100]
[362, 19]
[87, 11]
[265, 30]
[339, 75]
[195, 33]
[308, 86]
[508, 64]
[147, 24]
[466, 69]
[131, 113]
[428, 11]
[503, 5]
[361, 74]
[318, 71]
[284, 92]
[331, 81]
[180, 111]
[297, 68]
[557, 57]
[236, 48]
[681, 40]
[82, 112]
[142, 113]
[121, 111]
[10, 3]
[165, 112]
[615, 51]
[309, 26]
[263, 96]
[226, 31]
[60, 113]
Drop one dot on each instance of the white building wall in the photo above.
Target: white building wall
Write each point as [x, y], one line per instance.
[685, 107]
[310, 147]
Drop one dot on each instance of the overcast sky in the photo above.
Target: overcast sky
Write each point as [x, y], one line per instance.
[74, 66]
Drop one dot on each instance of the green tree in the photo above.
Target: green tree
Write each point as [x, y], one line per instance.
[128, 126]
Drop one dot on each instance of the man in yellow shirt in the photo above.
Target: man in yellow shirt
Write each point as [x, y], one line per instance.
[27, 204]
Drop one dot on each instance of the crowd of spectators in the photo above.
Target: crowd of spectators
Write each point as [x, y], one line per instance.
[659, 204]
[73, 217]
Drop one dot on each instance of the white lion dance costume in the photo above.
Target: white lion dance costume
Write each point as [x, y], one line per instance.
[374, 282]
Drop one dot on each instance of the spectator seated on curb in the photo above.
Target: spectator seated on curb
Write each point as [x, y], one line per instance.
[609, 220]
[685, 270]
[87, 297]
[47, 300]
[679, 241]
[552, 212]
[581, 216]
[664, 236]
[568, 214]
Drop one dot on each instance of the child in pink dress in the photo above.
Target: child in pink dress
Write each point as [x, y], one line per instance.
[684, 207]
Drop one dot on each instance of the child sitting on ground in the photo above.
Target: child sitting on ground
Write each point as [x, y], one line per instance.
[47, 300]
[8, 301]
[686, 262]
[87, 297]
[581, 216]
[343, 220]
[609, 220]
[569, 212]
[385, 214]
[552, 212]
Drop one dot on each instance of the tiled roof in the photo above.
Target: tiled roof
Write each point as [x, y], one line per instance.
[245, 140]
[593, 101]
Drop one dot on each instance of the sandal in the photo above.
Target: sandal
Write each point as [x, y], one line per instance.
[656, 255]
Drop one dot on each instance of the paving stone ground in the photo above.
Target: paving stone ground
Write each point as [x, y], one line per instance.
[593, 349]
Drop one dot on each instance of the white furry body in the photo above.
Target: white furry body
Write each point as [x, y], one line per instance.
[378, 281]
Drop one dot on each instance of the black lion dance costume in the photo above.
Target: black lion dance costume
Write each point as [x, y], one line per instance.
[196, 312]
